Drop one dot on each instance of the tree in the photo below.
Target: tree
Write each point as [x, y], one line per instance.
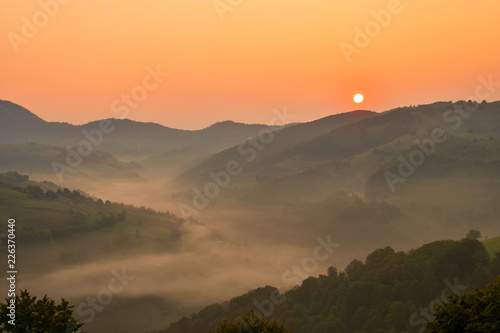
[50, 195]
[39, 316]
[472, 312]
[397, 316]
[250, 323]
[473, 234]
[35, 191]
[123, 215]
[391, 292]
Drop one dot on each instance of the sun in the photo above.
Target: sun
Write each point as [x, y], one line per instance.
[358, 98]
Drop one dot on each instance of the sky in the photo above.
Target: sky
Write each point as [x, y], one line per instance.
[190, 63]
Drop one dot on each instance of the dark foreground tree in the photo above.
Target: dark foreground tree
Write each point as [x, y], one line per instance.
[250, 323]
[471, 312]
[37, 316]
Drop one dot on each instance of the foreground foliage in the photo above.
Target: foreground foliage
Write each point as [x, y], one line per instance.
[471, 312]
[39, 316]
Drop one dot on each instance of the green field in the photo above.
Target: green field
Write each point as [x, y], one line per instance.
[72, 230]
[492, 245]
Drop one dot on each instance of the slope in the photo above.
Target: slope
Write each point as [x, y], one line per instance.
[390, 292]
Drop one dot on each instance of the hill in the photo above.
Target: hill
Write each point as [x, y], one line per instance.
[389, 292]
[347, 154]
[123, 138]
[51, 216]
[278, 142]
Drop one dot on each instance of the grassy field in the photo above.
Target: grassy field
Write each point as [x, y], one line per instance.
[492, 245]
[140, 232]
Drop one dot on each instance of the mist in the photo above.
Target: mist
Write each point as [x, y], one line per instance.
[136, 245]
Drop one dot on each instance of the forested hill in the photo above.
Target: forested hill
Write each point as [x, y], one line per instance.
[390, 292]
[49, 213]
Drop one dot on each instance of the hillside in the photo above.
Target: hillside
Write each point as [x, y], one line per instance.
[346, 157]
[492, 245]
[53, 217]
[39, 159]
[279, 142]
[465, 156]
[389, 292]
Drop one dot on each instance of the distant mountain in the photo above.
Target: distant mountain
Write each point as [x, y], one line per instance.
[348, 136]
[202, 145]
[341, 151]
[129, 139]
[18, 125]
[346, 156]
[281, 142]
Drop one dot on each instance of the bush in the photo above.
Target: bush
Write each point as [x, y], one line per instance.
[250, 323]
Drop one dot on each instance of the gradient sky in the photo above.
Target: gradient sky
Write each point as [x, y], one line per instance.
[263, 55]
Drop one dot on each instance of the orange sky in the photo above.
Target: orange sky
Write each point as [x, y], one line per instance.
[263, 55]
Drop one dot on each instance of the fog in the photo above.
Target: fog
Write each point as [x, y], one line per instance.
[266, 226]
[230, 248]
[206, 271]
